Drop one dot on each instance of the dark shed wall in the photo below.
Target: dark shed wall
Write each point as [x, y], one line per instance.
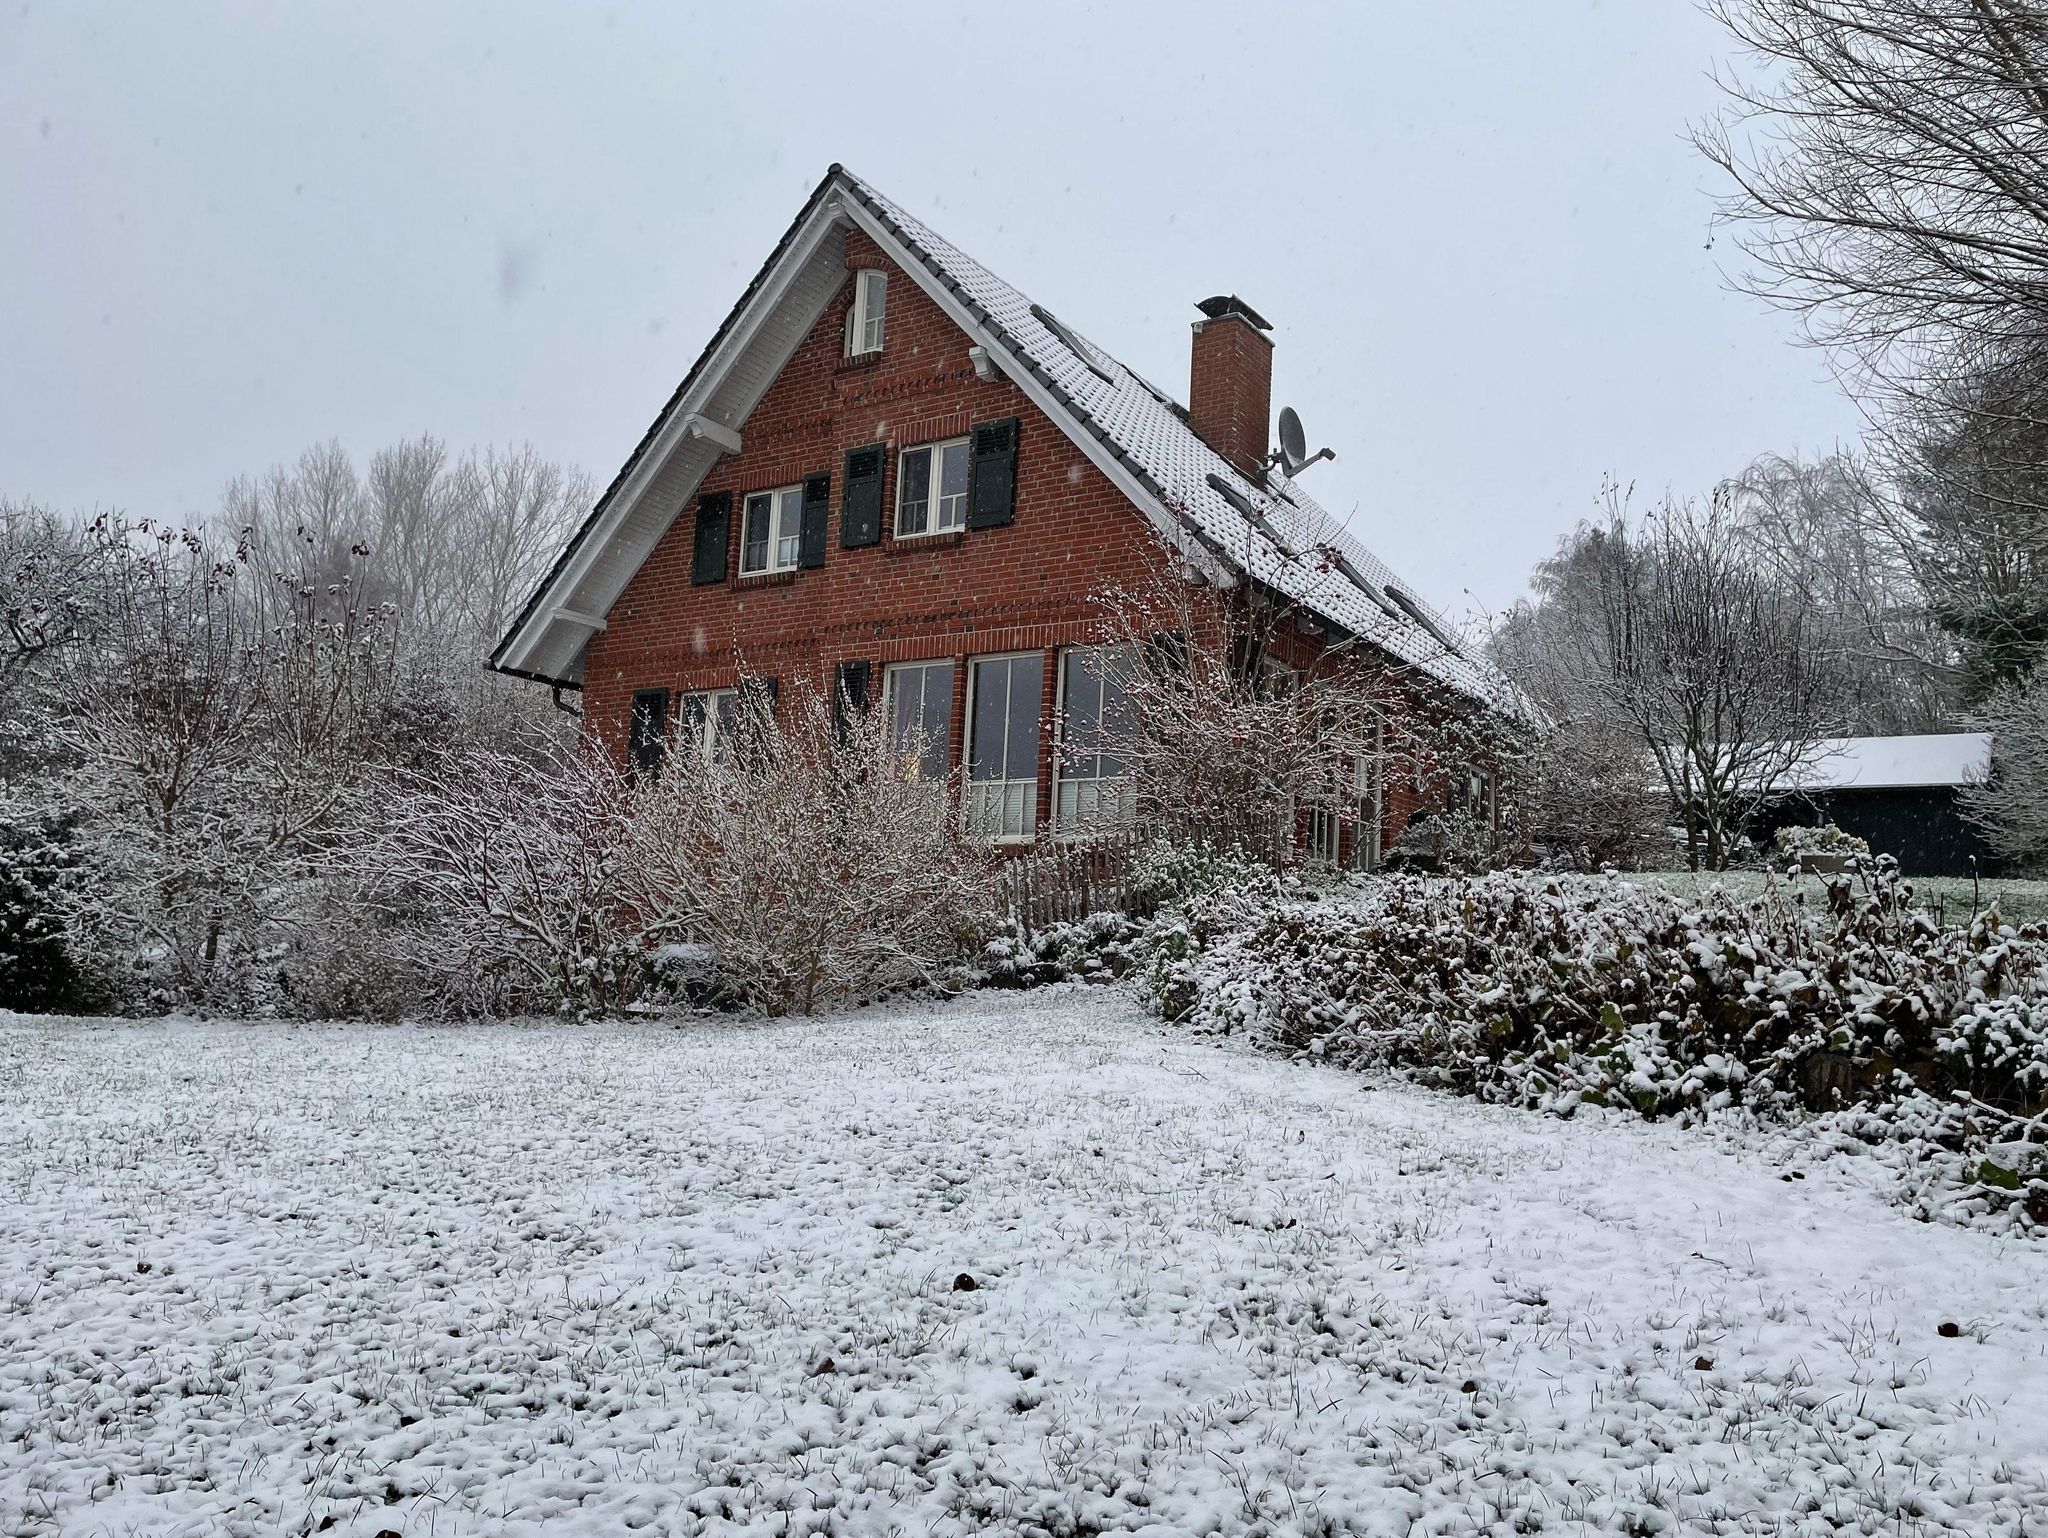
[1920, 825]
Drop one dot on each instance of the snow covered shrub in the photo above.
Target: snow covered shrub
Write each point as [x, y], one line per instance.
[507, 882]
[36, 858]
[220, 728]
[1800, 843]
[816, 871]
[1167, 872]
[1097, 949]
[1557, 992]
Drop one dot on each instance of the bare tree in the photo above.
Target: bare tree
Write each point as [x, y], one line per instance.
[1829, 532]
[1224, 741]
[216, 739]
[517, 510]
[1672, 624]
[2010, 805]
[504, 880]
[1889, 162]
[802, 856]
[452, 545]
[1890, 170]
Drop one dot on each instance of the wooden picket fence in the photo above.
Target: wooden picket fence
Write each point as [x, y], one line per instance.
[1060, 881]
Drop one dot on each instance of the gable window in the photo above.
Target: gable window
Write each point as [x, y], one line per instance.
[931, 489]
[773, 533]
[864, 319]
[1098, 723]
[918, 700]
[1002, 745]
[708, 722]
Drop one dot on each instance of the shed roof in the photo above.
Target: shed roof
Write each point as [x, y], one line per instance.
[1893, 763]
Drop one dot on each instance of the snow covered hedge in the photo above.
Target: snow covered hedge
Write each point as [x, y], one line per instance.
[1559, 992]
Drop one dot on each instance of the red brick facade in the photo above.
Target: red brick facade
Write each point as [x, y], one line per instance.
[1028, 585]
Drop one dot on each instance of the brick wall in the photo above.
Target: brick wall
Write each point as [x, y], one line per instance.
[1029, 585]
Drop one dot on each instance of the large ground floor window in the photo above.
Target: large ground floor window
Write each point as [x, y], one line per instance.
[1368, 795]
[709, 721]
[1098, 725]
[1003, 696]
[917, 701]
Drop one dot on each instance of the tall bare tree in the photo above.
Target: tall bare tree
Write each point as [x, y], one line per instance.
[1890, 169]
[1672, 624]
[1830, 532]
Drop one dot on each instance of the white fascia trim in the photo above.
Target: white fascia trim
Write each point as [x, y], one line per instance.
[677, 426]
[574, 617]
[1040, 396]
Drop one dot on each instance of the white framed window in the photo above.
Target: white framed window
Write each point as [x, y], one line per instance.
[1324, 827]
[918, 700]
[708, 720]
[772, 532]
[1002, 745]
[1368, 800]
[931, 488]
[1098, 722]
[864, 319]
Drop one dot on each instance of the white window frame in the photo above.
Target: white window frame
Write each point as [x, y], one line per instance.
[1014, 803]
[867, 316]
[891, 677]
[1325, 825]
[935, 500]
[778, 499]
[1083, 811]
[706, 730]
[1369, 798]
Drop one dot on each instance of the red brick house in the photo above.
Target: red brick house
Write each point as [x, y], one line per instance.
[891, 471]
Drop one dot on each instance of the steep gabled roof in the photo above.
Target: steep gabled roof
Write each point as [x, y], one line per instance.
[1272, 532]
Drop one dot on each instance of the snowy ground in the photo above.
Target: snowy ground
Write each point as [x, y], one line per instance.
[537, 1279]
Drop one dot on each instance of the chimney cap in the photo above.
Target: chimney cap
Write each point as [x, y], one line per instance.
[1229, 304]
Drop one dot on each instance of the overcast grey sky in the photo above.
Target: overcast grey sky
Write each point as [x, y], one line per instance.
[228, 231]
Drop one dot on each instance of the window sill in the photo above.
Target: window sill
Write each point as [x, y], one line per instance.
[866, 360]
[910, 544]
[767, 578]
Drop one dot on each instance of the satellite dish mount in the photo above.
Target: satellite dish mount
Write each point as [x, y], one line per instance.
[1293, 456]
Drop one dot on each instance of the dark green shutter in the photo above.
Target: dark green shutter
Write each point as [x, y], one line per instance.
[860, 505]
[647, 731]
[714, 524]
[849, 693]
[810, 548]
[992, 490]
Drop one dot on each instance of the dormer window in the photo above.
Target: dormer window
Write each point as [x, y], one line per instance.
[864, 319]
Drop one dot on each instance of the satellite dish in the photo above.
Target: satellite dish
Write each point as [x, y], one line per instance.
[1293, 456]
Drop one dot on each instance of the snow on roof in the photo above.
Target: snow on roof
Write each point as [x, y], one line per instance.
[1889, 763]
[1267, 528]
[1272, 528]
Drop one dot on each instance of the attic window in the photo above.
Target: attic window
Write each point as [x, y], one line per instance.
[1416, 612]
[864, 317]
[1071, 340]
[1252, 512]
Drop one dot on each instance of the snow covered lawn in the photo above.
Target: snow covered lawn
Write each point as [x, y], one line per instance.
[1021, 1263]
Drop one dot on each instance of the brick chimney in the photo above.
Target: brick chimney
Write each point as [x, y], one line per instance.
[1230, 386]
